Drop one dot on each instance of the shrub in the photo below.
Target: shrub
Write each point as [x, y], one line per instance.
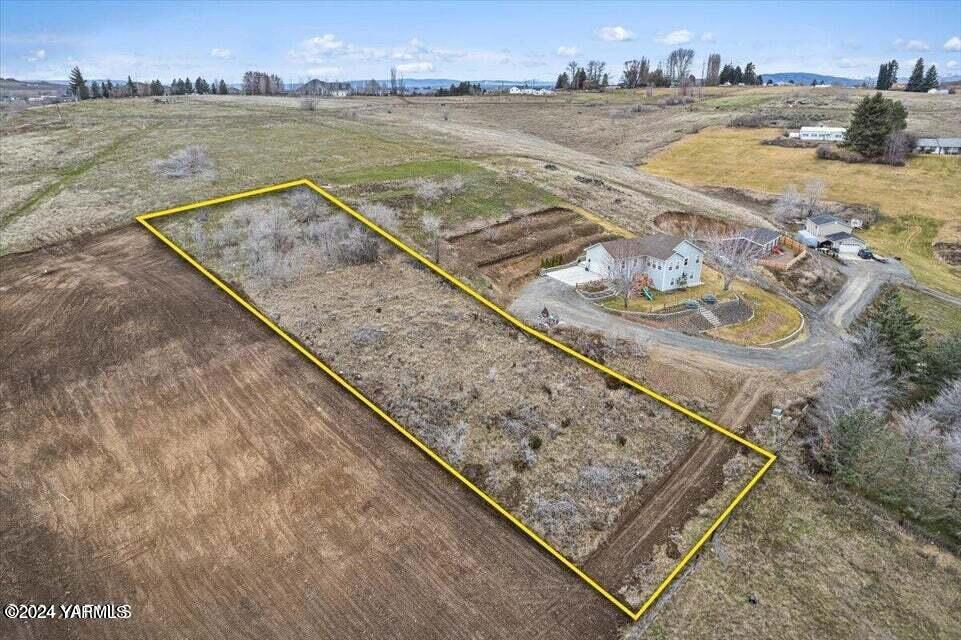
[750, 121]
[189, 162]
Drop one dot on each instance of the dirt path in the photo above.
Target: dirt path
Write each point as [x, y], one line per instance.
[657, 511]
[669, 194]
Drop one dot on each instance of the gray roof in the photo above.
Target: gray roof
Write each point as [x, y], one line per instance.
[842, 235]
[824, 218]
[938, 142]
[759, 235]
[658, 245]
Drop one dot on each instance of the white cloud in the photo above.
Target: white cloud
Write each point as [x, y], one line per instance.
[708, 37]
[681, 36]
[953, 44]
[912, 45]
[951, 64]
[325, 72]
[415, 67]
[37, 56]
[223, 54]
[615, 34]
[567, 51]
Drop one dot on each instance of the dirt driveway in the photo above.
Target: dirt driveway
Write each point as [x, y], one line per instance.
[162, 448]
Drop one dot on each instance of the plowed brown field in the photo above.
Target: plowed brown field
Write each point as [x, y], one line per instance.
[162, 448]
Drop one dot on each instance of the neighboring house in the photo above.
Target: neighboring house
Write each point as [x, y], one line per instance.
[669, 261]
[844, 242]
[823, 134]
[824, 225]
[938, 146]
[764, 240]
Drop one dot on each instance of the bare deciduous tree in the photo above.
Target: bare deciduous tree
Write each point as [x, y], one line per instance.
[792, 204]
[679, 64]
[713, 75]
[731, 255]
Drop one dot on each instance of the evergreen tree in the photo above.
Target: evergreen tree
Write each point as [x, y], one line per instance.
[750, 74]
[188, 86]
[942, 364]
[131, 87]
[882, 82]
[106, 88]
[604, 80]
[760, 80]
[916, 81]
[78, 86]
[727, 74]
[95, 90]
[738, 76]
[930, 79]
[873, 121]
[899, 331]
[563, 82]
[222, 88]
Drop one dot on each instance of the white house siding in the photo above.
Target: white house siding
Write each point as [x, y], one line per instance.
[819, 231]
[826, 134]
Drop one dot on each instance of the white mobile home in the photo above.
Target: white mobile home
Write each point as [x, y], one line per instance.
[669, 261]
[823, 134]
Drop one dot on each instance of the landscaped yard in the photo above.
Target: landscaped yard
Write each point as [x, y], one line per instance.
[774, 318]
[711, 282]
[916, 200]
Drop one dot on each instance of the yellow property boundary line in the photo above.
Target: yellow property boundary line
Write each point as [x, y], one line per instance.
[144, 219]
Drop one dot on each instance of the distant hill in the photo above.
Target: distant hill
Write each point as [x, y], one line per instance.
[12, 88]
[798, 77]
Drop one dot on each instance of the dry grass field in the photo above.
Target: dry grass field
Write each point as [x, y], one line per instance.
[170, 452]
[161, 447]
[550, 438]
[918, 202]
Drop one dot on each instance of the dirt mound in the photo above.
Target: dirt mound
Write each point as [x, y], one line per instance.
[682, 223]
[950, 252]
[511, 253]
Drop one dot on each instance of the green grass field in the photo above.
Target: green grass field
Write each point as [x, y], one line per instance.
[916, 201]
[938, 318]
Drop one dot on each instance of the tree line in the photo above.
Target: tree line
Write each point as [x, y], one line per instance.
[887, 419]
[675, 70]
[255, 83]
[919, 81]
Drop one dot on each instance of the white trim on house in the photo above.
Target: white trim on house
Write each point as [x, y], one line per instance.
[677, 263]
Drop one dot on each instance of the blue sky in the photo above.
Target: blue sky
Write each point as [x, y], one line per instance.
[465, 40]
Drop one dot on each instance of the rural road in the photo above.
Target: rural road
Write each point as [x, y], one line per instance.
[825, 326]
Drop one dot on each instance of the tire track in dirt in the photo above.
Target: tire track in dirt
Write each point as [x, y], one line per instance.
[664, 507]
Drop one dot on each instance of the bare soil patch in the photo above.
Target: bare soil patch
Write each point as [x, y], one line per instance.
[510, 253]
[164, 449]
[683, 223]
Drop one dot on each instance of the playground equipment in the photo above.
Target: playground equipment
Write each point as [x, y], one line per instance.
[647, 294]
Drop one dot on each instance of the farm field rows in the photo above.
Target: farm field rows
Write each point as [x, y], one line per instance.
[190, 463]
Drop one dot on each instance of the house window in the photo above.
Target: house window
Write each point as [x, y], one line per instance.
[669, 267]
[660, 267]
[672, 282]
[697, 259]
[685, 262]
